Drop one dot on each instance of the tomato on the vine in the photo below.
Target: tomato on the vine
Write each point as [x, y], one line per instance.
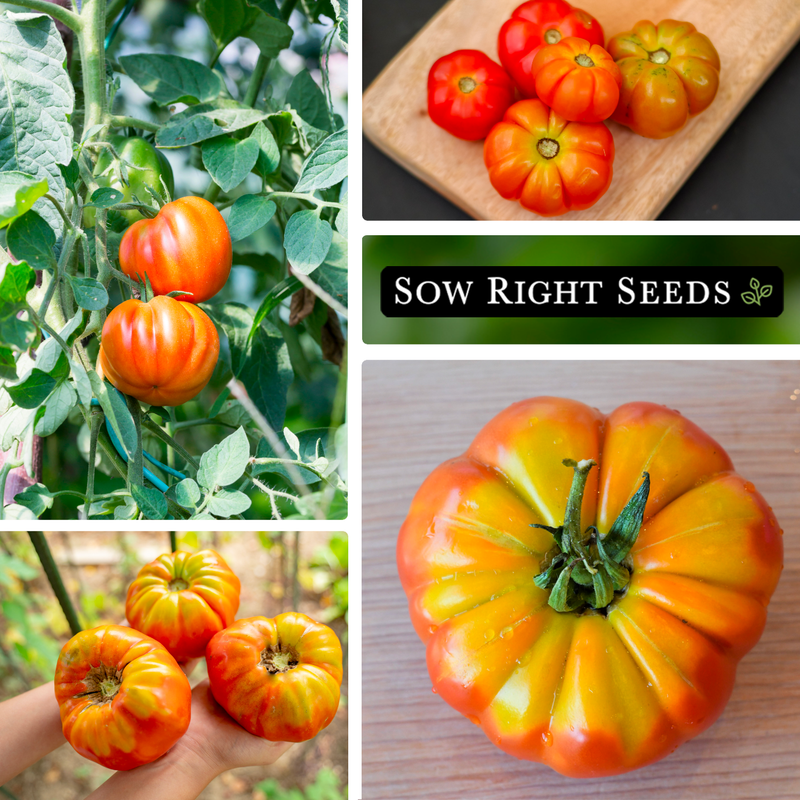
[183, 599]
[670, 73]
[278, 678]
[538, 23]
[587, 583]
[144, 166]
[162, 352]
[468, 93]
[123, 699]
[186, 247]
[578, 80]
[548, 164]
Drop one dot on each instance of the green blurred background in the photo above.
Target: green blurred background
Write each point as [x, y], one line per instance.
[644, 252]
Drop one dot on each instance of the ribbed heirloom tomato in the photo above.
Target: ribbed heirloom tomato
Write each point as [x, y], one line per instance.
[468, 93]
[162, 352]
[124, 701]
[670, 72]
[578, 80]
[589, 613]
[278, 678]
[538, 23]
[183, 599]
[547, 163]
[186, 247]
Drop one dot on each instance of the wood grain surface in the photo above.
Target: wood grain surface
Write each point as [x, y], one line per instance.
[751, 36]
[416, 415]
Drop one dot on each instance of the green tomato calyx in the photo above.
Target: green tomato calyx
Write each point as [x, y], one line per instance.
[660, 56]
[467, 84]
[548, 148]
[586, 569]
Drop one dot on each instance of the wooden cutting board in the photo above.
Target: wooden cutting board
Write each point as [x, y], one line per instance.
[752, 37]
[416, 415]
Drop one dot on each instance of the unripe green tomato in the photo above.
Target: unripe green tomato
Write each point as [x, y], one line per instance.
[145, 166]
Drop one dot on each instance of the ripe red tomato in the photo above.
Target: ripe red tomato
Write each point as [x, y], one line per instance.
[278, 678]
[186, 247]
[589, 618]
[124, 701]
[182, 600]
[578, 80]
[468, 93]
[162, 352]
[538, 23]
[547, 163]
[670, 73]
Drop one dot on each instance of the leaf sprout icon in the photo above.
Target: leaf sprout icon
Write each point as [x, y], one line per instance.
[758, 294]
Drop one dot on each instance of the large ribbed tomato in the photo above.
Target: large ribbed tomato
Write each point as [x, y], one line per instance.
[564, 644]
[162, 352]
[182, 600]
[124, 700]
[670, 72]
[535, 24]
[278, 678]
[186, 247]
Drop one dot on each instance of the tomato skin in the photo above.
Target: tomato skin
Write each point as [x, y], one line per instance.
[589, 695]
[576, 177]
[183, 599]
[282, 706]
[468, 93]
[150, 711]
[186, 247]
[535, 24]
[162, 352]
[578, 93]
[658, 99]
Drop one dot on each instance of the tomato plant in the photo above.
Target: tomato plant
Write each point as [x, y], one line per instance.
[548, 164]
[538, 23]
[586, 583]
[187, 246]
[259, 147]
[278, 678]
[162, 352]
[123, 699]
[670, 73]
[182, 599]
[468, 93]
[578, 80]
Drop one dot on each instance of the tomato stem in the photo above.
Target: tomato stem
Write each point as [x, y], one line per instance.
[548, 148]
[277, 659]
[583, 60]
[584, 568]
[467, 84]
[552, 36]
[660, 56]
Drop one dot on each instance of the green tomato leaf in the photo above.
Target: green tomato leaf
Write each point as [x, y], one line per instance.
[326, 166]
[205, 121]
[225, 462]
[151, 502]
[33, 391]
[186, 493]
[270, 34]
[16, 280]
[55, 410]
[249, 213]
[36, 498]
[307, 240]
[89, 293]
[8, 364]
[229, 161]
[173, 79]
[332, 275]
[228, 504]
[341, 217]
[226, 19]
[71, 173]
[18, 192]
[31, 239]
[269, 7]
[116, 411]
[307, 99]
[105, 197]
[340, 6]
[269, 156]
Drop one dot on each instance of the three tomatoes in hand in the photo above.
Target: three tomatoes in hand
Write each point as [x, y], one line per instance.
[164, 352]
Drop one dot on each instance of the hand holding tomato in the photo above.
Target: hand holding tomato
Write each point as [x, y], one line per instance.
[162, 352]
[186, 247]
[182, 599]
[538, 23]
[548, 164]
[578, 80]
[124, 701]
[278, 678]
[670, 72]
[468, 93]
